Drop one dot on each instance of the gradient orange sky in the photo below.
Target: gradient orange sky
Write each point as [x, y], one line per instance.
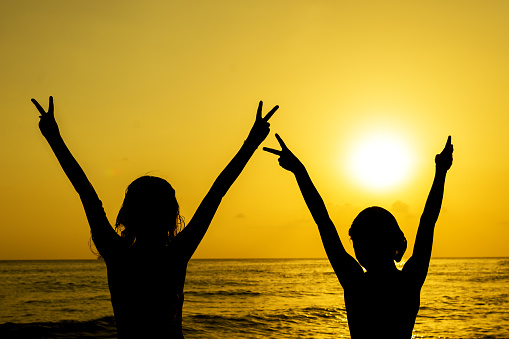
[171, 88]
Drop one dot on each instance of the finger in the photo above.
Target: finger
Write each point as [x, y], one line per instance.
[271, 113]
[39, 107]
[281, 142]
[448, 143]
[448, 146]
[50, 108]
[259, 111]
[273, 151]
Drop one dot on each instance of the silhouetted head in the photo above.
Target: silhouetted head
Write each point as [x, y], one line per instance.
[150, 212]
[376, 237]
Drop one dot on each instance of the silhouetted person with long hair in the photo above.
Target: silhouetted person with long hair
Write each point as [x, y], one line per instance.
[382, 301]
[147, 261]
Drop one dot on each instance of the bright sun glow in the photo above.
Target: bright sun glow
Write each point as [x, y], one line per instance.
[380, 161]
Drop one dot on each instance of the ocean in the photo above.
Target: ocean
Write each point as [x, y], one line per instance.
[250, 298]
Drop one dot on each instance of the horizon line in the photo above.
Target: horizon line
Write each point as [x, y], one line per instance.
[274, 258]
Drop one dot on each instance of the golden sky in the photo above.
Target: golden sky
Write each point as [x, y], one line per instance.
[171, 88]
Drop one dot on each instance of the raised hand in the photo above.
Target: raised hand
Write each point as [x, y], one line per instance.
[47, 124]
[261, 127]
[287, 159]
[443, 160]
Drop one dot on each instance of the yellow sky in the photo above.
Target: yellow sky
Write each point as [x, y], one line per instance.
[171, 88]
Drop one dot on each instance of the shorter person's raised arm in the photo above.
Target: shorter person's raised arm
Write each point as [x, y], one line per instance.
[418, 264]
[347, 269]
[188, 240]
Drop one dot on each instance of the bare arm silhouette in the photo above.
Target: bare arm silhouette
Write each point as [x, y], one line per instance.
[418, 264]
[188, 240]
[346, 267]
[102, 232]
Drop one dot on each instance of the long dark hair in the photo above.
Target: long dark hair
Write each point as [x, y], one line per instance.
[149, 206]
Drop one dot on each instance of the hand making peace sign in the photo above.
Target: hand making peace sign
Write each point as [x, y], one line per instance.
[287, 159]
[47, 124]
[261, 129]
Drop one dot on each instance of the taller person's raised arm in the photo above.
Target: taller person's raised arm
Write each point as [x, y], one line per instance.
[102, 232]
[188, 240]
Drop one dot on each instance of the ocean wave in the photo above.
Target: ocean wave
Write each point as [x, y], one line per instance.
[303, 314]
[223, 293]
[226, 326]
[65, 329]
[503, 262]
[493, 300]
[292, 322]
[489, 278]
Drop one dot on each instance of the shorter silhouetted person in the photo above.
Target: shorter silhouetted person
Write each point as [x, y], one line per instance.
[381, 300]
[147, 261]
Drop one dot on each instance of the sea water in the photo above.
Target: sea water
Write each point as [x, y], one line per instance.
[250, 298]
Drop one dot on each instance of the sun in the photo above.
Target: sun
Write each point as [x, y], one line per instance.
[380, 161]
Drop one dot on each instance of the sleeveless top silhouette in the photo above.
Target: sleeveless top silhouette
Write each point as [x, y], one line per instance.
[146, 286]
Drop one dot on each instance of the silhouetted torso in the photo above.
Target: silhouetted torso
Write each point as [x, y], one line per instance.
[382, 307]
[146, 292]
